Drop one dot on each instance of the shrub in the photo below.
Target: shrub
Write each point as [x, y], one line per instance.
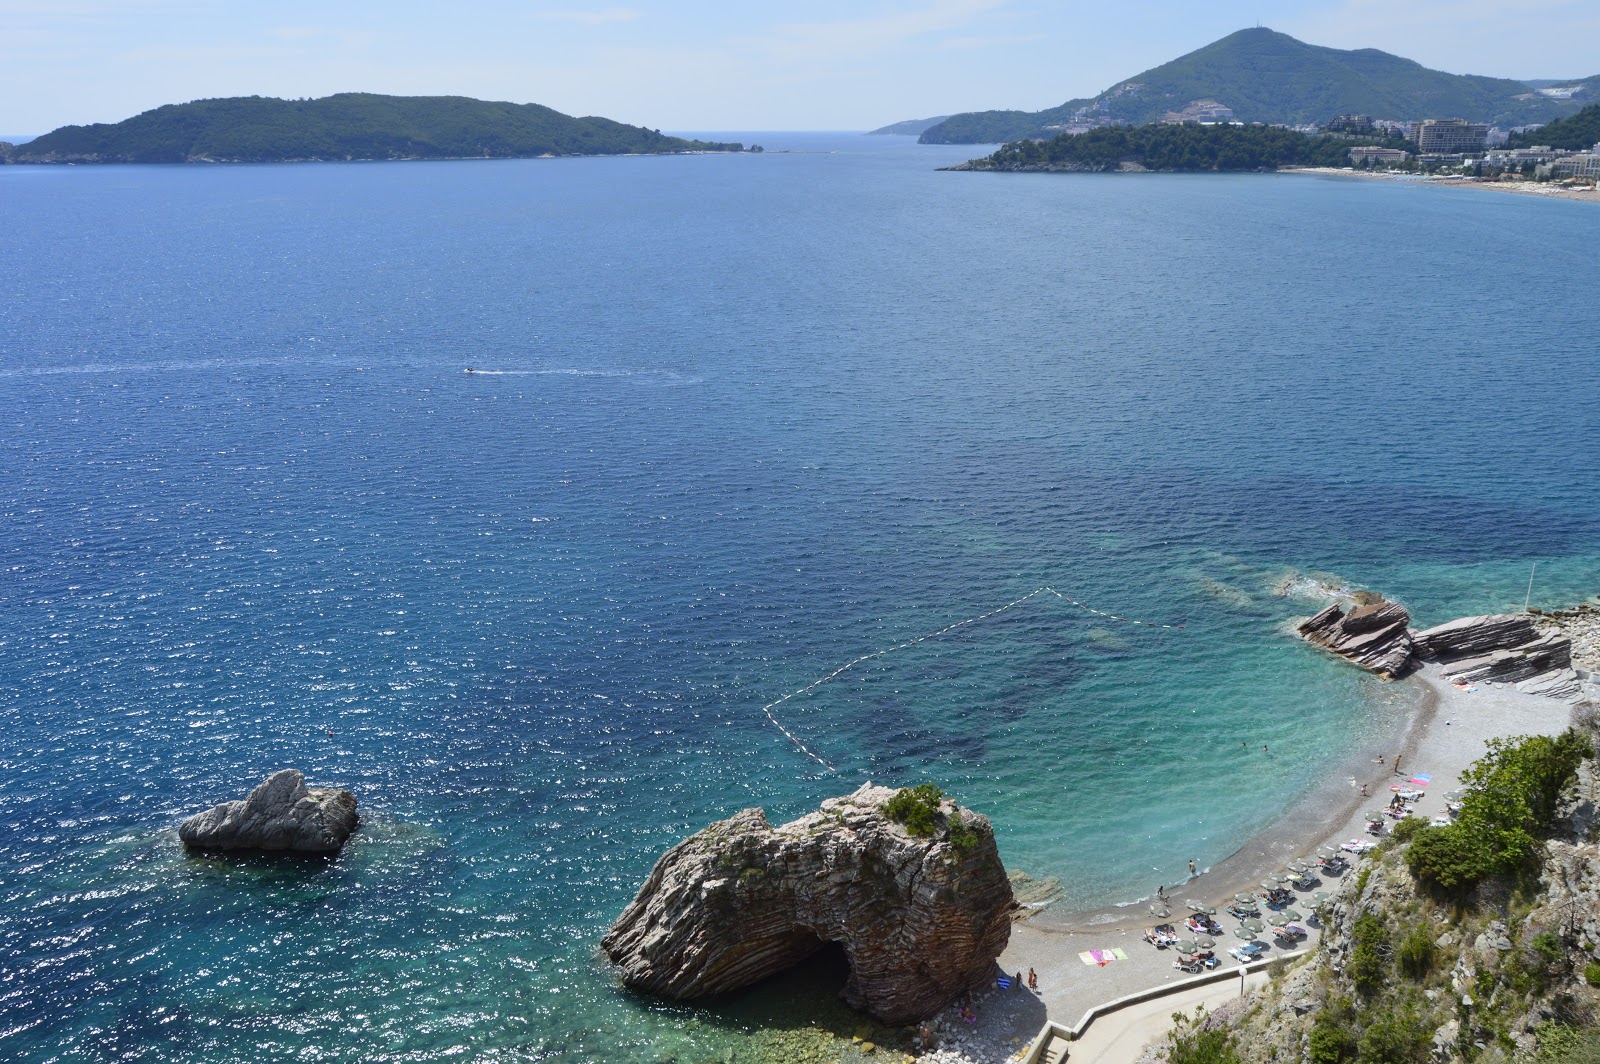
[1395, 1037]
[1191, 1043]
[1330, 1043]
[1406, 828]
[1509, 808]
[962, 837]
[1415, 955]
[1371, 942]
[916, 807]
[1591, 973]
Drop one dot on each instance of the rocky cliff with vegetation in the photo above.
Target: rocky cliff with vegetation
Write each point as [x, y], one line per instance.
[1477, 941]
[347, 126]
[910, 885]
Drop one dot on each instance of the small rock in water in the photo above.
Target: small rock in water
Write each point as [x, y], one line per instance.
[281, 814]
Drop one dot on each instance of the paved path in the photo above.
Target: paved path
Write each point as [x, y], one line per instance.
[1120, 1037]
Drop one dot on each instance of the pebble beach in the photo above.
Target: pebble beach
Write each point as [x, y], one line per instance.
[1448, 732]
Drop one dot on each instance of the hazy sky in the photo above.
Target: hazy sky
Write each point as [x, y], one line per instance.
[711, 64]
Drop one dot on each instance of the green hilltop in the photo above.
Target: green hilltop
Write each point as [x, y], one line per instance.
[347, 126]
[1266, 76]
[1575, 132]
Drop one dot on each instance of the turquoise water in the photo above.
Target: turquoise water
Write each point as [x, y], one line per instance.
[746, 419]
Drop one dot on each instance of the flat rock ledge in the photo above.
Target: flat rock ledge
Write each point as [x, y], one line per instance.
[1503, 648]
[920, 919]
[1375, 635]
[282, 813]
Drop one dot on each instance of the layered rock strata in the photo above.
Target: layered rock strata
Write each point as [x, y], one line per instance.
[1503, 648]
[282, 813]
[920, 918]
[1375, 635]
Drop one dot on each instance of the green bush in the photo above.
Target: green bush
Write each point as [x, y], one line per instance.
[1370, 942]
[916, 807]
[1415, 955]
[1406, 828]
[1395, 1037]
[1591, 973]
[1330, 1043]
[1566, 1045]
[962, 837]
[1190, 1044]
[1509, 807]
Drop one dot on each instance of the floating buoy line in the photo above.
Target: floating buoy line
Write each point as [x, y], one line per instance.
[946, 630]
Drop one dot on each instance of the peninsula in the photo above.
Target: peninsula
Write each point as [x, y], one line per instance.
[1170, 148]
[345, 127]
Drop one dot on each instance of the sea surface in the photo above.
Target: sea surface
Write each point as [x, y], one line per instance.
[734, 421]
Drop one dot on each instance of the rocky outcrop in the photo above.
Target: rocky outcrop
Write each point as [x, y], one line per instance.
[920, 918]
[1503, 648]
[1472, 636]
[282, 813]
[1374, 635]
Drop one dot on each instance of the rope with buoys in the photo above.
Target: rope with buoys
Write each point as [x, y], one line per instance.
[946, 630]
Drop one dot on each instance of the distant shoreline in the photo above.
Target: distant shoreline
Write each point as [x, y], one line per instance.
[1519, 188]
[87, 161]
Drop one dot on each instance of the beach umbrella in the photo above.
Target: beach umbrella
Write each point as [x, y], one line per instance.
[1298, 866]
[1272, 883]
[1252, 925]
[1157, 910]
[1245, 899]
[1246, 934]
[1453, 796]
[1322, 897]
[1185, 945]
[1203, 910]
[1289, 916]
[1206, 943]
[1375, 816]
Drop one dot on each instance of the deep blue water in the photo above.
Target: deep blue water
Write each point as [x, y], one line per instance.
[737, 420]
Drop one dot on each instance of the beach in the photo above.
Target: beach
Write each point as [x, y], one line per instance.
[1448, 731]
[1521, 188]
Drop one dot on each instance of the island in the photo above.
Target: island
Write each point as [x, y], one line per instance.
[346, 127]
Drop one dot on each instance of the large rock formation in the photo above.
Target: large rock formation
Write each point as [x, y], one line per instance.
[1467, 636]
[1503, 648]
[1375, 635]
[921, 918]
[282, 813]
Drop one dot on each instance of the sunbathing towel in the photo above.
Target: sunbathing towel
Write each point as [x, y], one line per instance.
[1102, 957]
[1422, 781]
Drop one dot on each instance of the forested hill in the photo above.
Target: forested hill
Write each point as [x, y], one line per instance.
[1171, 148]
[1265, 76]
[1581, 131]
[350, 125]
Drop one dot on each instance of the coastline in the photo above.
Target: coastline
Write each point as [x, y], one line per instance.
[1517, 188]
[1445, 732]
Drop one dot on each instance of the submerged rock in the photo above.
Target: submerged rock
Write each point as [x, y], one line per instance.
[920, 918]
[1374, 635]
[282, 813]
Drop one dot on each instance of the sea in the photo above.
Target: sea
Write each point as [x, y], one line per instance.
[733, 421]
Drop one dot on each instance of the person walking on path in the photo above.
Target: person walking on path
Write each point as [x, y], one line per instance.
[1033, 980]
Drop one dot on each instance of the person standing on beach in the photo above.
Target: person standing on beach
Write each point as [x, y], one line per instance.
[1033, 980]
[1397, 764]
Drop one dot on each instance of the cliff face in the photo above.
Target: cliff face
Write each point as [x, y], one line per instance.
[921, 918]
[1405, 977]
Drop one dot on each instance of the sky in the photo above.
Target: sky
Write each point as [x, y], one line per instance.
[704, 65]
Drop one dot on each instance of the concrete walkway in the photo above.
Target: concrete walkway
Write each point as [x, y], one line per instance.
[1121, 1036]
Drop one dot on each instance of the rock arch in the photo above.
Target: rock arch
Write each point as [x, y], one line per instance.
[919, 919]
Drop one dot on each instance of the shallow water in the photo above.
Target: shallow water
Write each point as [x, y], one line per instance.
[734, 422]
